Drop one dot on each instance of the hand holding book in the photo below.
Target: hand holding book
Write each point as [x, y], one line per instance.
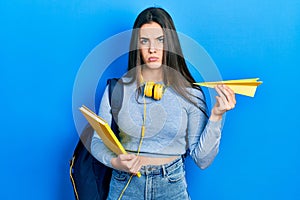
[104, 131]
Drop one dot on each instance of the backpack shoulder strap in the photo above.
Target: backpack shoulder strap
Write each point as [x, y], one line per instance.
[115, 89]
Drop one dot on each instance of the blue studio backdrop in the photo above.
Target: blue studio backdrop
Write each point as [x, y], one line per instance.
[43, 46]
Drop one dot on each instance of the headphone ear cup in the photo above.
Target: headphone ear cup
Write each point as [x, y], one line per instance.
[153, 90]
[157, 91]
[148, 90]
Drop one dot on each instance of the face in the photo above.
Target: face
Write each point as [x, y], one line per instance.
[151, 43]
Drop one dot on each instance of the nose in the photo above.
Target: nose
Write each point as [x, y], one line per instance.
[152, 48]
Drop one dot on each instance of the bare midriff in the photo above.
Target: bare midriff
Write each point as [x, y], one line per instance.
[156, 161]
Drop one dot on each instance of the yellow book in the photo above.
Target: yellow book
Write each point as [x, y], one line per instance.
[104, 131]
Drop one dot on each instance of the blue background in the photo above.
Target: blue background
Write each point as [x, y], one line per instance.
[43, 44]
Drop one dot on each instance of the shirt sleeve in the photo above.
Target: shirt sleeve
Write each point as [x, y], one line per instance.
[98, 148]
[203, 135]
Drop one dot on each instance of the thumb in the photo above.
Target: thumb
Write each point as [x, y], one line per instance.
[127, 156]
[218, 100]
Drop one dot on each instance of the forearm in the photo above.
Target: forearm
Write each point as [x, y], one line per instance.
[101, 152]
[207, 147]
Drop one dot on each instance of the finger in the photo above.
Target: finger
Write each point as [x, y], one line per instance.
[219, 91]
[222, 93]
[128, 166]
[231, 96]
[226, 91]
[229, 99]
[127, 157]
[221, 106]
[136, 166]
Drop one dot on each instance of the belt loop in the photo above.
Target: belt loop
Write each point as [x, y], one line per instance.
[164, 170]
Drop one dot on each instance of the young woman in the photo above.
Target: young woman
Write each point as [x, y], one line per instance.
[163, 116]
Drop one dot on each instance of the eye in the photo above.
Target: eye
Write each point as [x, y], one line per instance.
[161, 40]
[144, 41]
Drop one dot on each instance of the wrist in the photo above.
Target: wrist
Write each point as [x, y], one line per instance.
[214, 117]
[113, 161]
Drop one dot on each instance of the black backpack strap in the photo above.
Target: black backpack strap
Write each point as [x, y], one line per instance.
[89, 177]
[115, 88]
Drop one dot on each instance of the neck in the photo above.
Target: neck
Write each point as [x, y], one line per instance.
[155, 75]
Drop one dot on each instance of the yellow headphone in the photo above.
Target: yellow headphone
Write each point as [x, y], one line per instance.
[154, 90]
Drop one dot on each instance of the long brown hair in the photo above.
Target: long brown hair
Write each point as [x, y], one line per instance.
[175, 70]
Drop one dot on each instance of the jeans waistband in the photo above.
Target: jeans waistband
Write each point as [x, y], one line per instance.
[161, 169]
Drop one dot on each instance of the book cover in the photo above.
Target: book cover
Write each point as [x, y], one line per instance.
[104, 130]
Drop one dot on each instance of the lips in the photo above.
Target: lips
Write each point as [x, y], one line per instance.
[152, 59]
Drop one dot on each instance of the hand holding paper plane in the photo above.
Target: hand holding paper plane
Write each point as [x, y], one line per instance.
[245, 87]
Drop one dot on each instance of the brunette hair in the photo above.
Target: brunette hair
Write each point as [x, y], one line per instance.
[176, 73]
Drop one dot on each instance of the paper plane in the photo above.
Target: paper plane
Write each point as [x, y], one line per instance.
[245, 87]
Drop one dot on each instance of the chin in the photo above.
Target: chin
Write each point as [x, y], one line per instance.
[154, 65]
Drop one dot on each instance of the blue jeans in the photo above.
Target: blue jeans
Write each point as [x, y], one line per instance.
[157, 182]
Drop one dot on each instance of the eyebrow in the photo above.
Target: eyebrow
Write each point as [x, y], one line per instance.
[155, 38]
